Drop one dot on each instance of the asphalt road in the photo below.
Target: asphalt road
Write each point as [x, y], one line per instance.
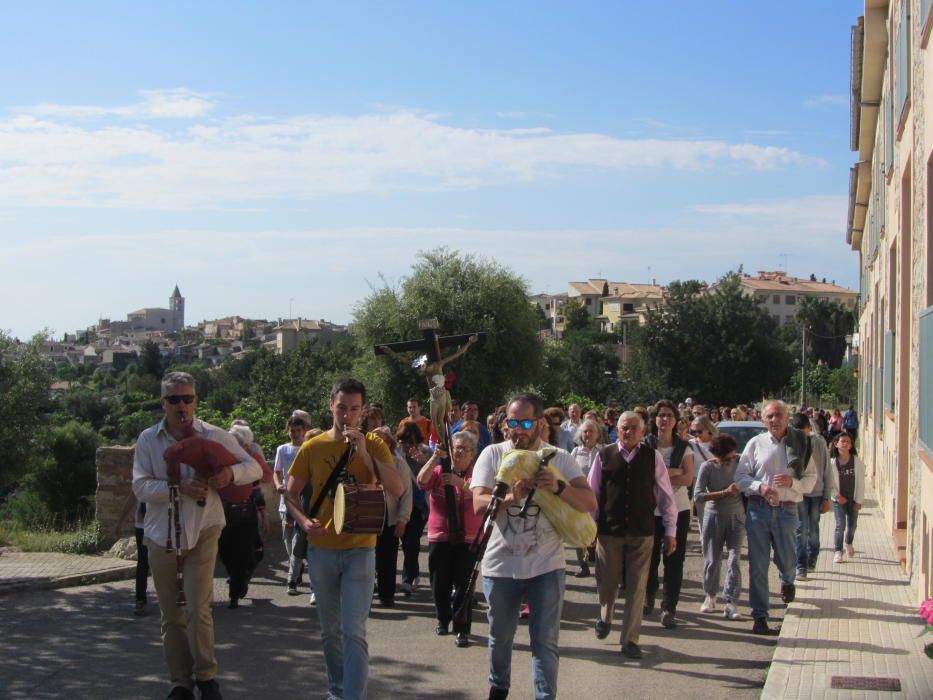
[85, 643]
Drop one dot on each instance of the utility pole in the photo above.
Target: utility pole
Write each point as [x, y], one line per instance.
[803, 367]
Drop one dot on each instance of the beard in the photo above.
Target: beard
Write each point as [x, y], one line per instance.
[523, 440]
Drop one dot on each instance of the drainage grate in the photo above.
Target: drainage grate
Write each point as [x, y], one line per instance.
[865, 683]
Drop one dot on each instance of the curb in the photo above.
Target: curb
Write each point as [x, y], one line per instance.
[84, 579]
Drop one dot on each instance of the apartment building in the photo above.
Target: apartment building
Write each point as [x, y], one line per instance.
[779, 293]
[890, 227]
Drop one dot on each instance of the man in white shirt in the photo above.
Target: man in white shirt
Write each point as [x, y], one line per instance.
[187, 632]
[773, 492]
[525, 555]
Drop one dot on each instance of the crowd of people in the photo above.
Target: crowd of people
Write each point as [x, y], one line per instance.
[642, 475]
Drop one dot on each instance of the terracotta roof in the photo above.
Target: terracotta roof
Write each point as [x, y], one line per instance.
[769, 281]
[619, 289]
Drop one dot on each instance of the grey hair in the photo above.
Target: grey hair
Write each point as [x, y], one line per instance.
[175, 379]
[578, 434]
[239, 421]
[776, 402]
[243, 435]
[467, 437]
[631, 415]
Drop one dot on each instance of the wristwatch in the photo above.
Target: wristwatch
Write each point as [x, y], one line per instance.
[561, 485]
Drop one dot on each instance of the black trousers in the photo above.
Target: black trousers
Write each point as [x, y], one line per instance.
[411, 545]
[237, 547]
[673, 564]
[386, 563]
[142, 566]
[450, 566]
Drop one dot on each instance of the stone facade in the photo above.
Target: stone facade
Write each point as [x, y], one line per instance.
[891, 228]
[114, 485]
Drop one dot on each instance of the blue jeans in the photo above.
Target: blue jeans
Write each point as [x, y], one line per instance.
[545, 596]
[343, 582]
[769, 526]
[846, 521]
[808, 532]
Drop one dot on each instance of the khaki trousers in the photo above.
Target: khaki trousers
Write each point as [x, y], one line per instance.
[613, 555]
[188, 632]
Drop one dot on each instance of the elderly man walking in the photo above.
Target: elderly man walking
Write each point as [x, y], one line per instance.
[629, 479]
[187, 632]
[775, 471]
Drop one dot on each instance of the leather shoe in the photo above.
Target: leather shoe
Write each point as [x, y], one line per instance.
[631, 650]
[441, 629]
[210, 690]
[180, 692]
[602, 629]
[462, 640]
[760, 626]
[788, 593]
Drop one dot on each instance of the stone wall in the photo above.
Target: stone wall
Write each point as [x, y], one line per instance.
[114, 480]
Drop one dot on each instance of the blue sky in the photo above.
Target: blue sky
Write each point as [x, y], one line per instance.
[290, 155]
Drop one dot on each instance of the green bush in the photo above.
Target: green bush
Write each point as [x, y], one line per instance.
[83, 538]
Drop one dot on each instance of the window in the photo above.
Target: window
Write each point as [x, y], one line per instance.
[888, 367]
[628, 308]
[926, 380]
[902, 62]
[790, 300]
[776, 299]
[879, 413]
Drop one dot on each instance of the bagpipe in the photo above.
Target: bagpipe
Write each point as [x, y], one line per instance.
[208, 458]
[575, 528]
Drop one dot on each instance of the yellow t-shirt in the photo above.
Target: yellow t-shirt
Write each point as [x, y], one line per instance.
[315, 461]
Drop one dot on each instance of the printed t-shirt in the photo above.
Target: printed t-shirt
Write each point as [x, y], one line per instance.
[521, 548]
[315, 461]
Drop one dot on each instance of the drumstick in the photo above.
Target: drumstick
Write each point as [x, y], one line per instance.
[329, 523]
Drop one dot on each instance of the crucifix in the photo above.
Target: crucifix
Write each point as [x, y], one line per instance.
[431, 364]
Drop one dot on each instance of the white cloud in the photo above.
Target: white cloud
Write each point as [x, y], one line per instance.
[50, 159]
[177, 103]
[825, 101]
[820, 213]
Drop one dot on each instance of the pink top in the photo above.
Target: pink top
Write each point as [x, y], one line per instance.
[437, 517]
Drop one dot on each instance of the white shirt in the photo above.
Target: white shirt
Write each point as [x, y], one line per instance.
[764, 458]
[284, 456]
[520, 548]
[150, 483]
[681, 496]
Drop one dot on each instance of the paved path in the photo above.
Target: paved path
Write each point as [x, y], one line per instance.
[852, 619]
[83, 642]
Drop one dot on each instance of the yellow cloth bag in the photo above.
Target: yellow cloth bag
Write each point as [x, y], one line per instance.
[575, 528]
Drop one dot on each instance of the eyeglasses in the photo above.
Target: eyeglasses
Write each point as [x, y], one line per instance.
[178, 398]
[526, 424]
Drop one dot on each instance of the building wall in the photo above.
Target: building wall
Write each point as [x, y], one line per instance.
[895, 291]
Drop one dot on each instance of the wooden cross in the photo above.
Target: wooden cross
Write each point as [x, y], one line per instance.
[433, 370]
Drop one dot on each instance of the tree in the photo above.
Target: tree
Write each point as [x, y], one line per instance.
[583, 362]
[717, 346]
[827, 323]
[576, 317]
[150, 360]
[24, 387]
[465, 294]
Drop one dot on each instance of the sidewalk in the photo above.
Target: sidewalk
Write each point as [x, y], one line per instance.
[33, 571]
[853, 619]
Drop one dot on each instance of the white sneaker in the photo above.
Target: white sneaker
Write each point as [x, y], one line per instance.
[730, 613]
[709, 605]
[837, 558]
[313, 599]
[850, 551]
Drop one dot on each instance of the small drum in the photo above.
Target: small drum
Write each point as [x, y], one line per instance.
[359, 509]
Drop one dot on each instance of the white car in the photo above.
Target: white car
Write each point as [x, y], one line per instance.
[742, 431]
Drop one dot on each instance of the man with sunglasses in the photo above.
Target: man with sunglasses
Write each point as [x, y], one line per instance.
[187, 632]
[525, 555]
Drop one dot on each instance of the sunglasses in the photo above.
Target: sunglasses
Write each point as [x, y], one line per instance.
[526, 424]
[178, 398]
